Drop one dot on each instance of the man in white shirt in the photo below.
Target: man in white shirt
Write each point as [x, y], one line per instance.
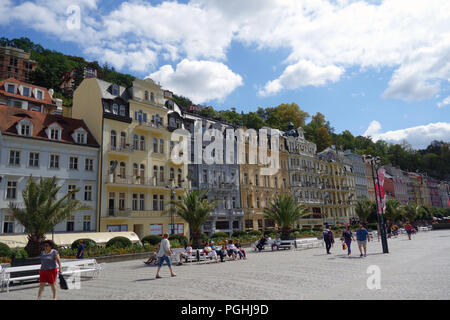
[164, 254]
[185, 254]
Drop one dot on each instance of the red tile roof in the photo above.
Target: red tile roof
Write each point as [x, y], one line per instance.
[10, 116]
[47, 99]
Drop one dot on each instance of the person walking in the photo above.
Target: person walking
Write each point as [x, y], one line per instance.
[328, 237]
[49, 272]
[80, 252]
[164, 254]
[347, 238]
[409, 229]
[362, 238]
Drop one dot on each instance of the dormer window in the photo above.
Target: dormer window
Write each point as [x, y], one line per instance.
[122, 110]
[80, 136]
[115, 108]
[54, 132]
[26, 91]
[39, 94]
[24, 128]
[115, 90]
[11, 88]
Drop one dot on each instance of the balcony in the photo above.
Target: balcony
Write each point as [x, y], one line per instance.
[228, 212]
[122, 149]
[151, 126]
[118, 213]
[137, 181]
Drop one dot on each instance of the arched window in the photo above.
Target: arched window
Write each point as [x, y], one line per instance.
[135, 170]
[115, 108]
[161, 174]
[155, 172]
[172, 174]
[123, 174]
[113, 141]
[122, 110]
[142, 146]
[146, 95]
[161, 146]
[152, 97]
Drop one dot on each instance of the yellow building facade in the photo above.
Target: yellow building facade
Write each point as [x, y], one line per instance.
[137, 178]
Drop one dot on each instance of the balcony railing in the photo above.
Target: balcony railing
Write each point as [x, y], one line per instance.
[142, 181]
[228, 212]
[121, 148]
[152, 125]
[114, 212]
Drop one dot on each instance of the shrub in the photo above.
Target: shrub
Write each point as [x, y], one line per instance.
[220, 235]
[151, 239]
[88, 244]
[239, 234]
[255, 233]
[271, 233]
[19, 253]
[306, 228]
[119, 242]
[5, 251]
[180, 238]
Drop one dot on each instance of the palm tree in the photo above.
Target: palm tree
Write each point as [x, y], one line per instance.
[195, 209]
[412, 211]
[284, 210]
[393, 210]
[42, 211]
[363, 209]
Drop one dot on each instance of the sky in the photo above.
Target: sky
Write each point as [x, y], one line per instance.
[376, 68]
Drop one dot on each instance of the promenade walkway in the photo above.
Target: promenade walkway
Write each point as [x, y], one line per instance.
[416, 269]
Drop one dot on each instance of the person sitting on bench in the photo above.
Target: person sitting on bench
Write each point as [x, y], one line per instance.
[261, 243]
[186, 254]
[276, 243]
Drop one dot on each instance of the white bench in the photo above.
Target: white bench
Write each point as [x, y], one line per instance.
[305, 243]
[69, 268]
[424, 229]
[267, 244]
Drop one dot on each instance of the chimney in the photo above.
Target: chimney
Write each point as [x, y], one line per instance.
[50, 92]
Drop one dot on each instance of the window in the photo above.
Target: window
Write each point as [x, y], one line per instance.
[115, 90]
[26, 91]
[155, 202]
[233, 201]
[256, 180]
[142, 173]
[70, 223]
[245, 178]
[155, 145]
[86, 223]
[146, 95]
[258, 203]
[8, 224]
[87, 193]
[54, 161]
[81, 138]
[123, 140]
[152, 97]
[161, 174]
[107, 107]
[135, 170]
[122, 110]
[142, 143]
[180, 173]
[142, 202]
[172, 174]
[40, 95]
[11, 88]
[156, 229]
[178, 228]
[113, 140]
[14, 158]
[71, 188]
[34, 159]
[54, 134]
[115, 109]
[135, 142]
[73, 163]
[155, 172]
[135, 202]
[25, 130]
[122, 171]
[161, 203]
[161, 146]
[205, 176]
[89, 164]
[11, 190]
[122, 201]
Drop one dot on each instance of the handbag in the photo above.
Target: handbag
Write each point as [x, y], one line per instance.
[344, 246]
[62, 282]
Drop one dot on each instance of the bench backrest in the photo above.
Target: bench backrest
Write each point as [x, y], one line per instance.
[22, 268]
[81, 262]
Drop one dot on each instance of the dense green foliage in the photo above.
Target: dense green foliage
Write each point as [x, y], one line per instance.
[151, 239]
[5, 251]
[119, 242]
[88, 243]
[182, 240]
[53, 65]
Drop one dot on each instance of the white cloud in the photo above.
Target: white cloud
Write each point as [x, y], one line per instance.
[201, 81]
[412, 37]
[444, 102]
[419, 137]
[304, 73]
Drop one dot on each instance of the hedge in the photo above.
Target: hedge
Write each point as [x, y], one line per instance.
[255, 233]
[151, 239]
[5, 251]
[180, 238]
[119, 242]
[220, 235]
[88, 244]
[239, 234]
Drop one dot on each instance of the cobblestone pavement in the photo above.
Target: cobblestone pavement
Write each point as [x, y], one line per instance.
[416, 269]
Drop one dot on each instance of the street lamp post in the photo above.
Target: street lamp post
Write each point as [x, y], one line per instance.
[380, 211]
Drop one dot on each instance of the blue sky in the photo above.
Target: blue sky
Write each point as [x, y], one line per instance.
[378, 68]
